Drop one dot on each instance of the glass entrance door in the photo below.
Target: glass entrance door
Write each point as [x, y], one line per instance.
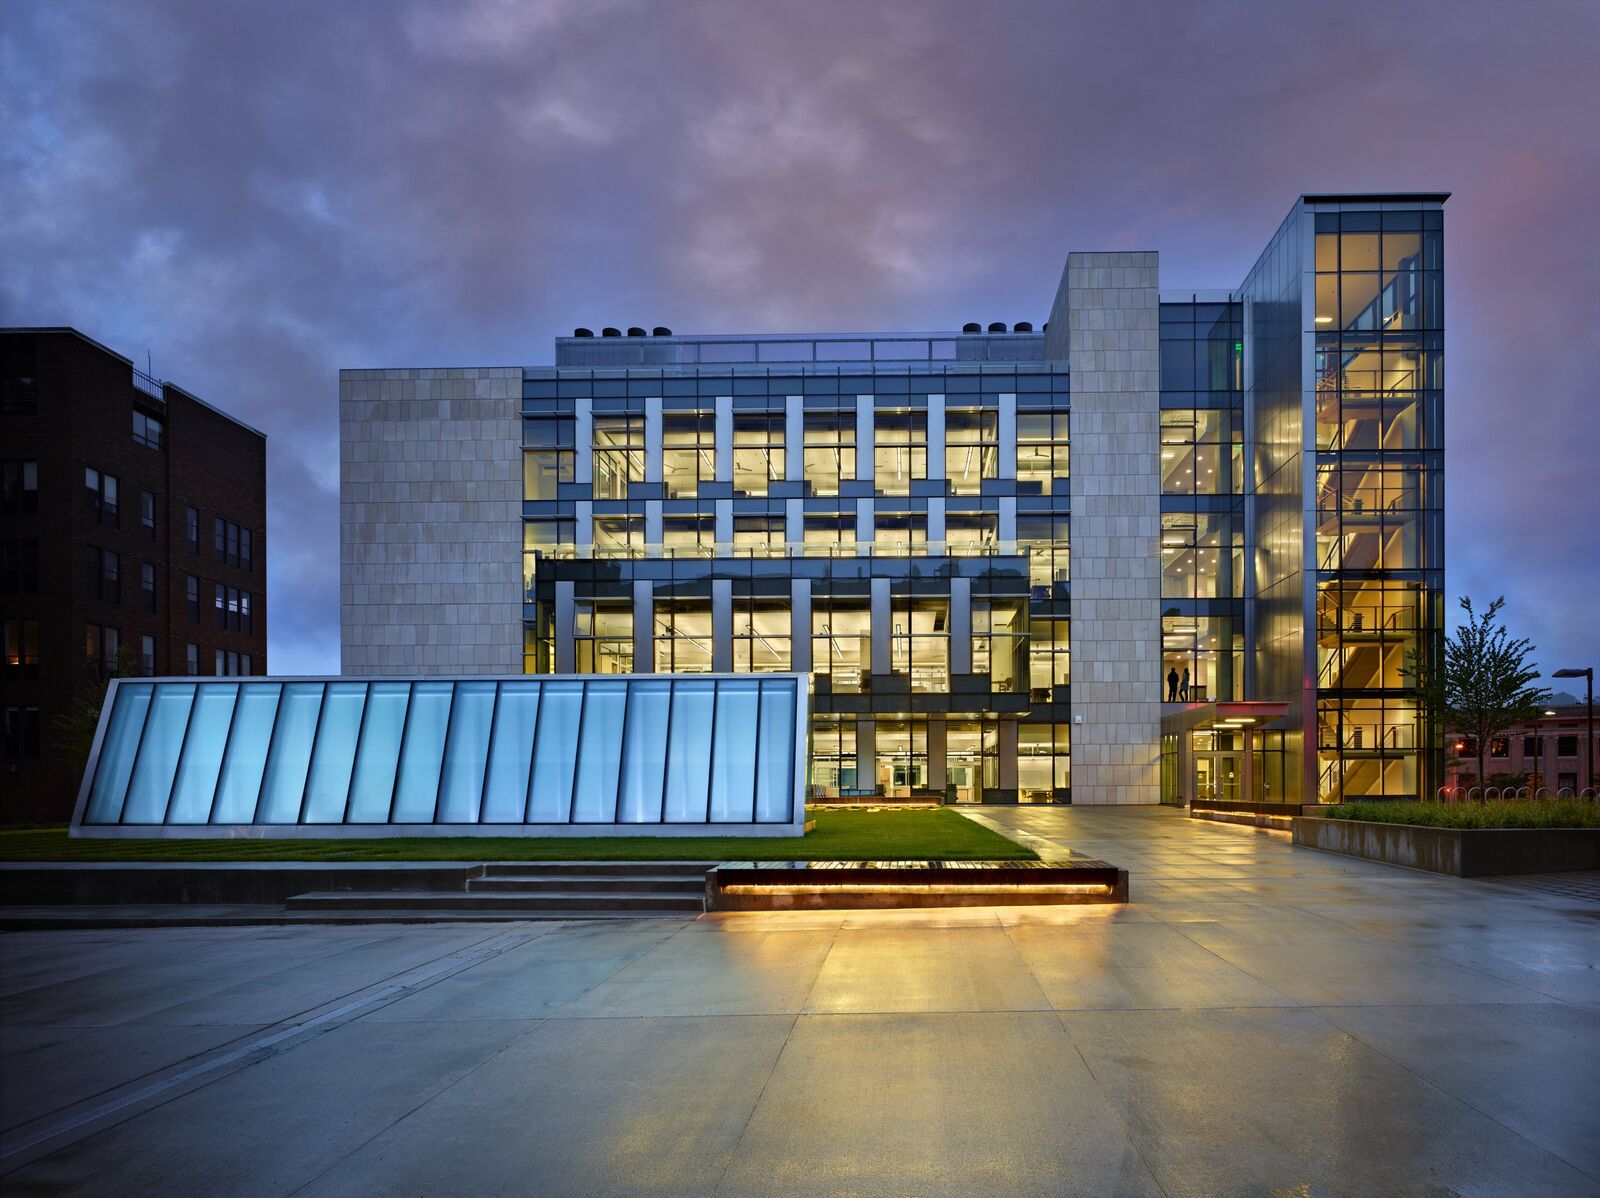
[1218, 766]
[1216, 776]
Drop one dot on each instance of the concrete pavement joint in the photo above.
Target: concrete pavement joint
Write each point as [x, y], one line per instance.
[289, 1034]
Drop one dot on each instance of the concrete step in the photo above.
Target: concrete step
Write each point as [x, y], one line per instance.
[523, 900]
[686, 884]
[539, 869]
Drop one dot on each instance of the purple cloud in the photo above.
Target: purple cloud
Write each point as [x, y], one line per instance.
[259, 195]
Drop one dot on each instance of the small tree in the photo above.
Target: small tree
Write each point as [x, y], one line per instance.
[74, 728]
[1481, 684]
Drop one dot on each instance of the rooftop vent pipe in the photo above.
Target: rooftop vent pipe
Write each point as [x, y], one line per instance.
[972, 326]
[998, 326]
[583, 332]
[661, 330]
[608, 331]
[1022, 326]
[635, 331]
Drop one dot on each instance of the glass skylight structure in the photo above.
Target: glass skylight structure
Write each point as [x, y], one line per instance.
[440, 756]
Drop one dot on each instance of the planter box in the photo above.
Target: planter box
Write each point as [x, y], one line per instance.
[1460, 852]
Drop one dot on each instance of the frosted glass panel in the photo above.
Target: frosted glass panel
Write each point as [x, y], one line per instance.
[505, 791]
[689, 751]
[202, 754]
[117, 749]
[594, 798]
[733, 752]
[775, 753]
[158, 758]
[441, 753]
[644, 752]
[555, 752]
[423, 753]
[287, 760]
[335, 753]
[247, 754]
[378, 754]
[466, 752]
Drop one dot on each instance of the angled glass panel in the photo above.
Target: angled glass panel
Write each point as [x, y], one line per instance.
[505, 790]
[290, 755]
[594, 798]
[644, 752]
[378, 754]
[158, 756]
[555, 752]
[465, 753]
[246, 754]
[117, 749]
[775, 758]
[733, 752]
[335, 753]
[423, 753]
[689, 750]
[202, 753]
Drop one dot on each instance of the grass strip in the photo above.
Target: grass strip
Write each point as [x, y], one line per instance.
[914, 835]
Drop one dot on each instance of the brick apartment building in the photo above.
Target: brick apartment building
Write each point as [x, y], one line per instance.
[1548, 751]
[132, 531]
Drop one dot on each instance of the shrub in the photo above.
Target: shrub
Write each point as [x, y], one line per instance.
[1513, 813]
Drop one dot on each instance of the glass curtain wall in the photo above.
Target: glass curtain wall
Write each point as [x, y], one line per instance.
[1379, 322]
[1202, 505]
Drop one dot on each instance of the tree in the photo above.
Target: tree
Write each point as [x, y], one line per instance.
[75, 727]
[1481, 685]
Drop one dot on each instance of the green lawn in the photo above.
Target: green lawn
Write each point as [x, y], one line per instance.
[935, 834]
[1514, 813]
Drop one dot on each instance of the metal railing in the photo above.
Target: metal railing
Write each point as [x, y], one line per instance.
[1494, 794]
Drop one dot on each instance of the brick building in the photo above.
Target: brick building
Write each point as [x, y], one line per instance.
[132, 531]
[1546, 751]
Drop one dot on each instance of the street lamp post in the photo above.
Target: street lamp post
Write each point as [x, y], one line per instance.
[1587, 673]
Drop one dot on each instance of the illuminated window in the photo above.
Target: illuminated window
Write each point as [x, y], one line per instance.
[830, 450]
[758, 455]
[900, 451]
[760, 635]
[683, 636]
[971, 448]
[618, 455]
[548, 458]
[688, 456]
[603, 637]
[919, 643]
[841, 645]
[1042, 457]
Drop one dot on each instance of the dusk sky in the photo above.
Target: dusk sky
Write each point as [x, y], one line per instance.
[260, 194]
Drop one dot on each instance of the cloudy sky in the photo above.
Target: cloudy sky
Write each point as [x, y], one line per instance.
[258, 194]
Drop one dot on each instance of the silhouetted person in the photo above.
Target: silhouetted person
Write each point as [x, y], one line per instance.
[1183, 687]
[1172, 685]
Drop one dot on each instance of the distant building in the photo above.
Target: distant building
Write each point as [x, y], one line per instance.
[1547, 751]
[132, 530]
[1214, 600]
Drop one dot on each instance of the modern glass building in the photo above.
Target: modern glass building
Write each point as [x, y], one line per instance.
[1162, 546]
[437, 756]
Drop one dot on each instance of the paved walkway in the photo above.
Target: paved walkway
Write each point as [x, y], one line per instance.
[1259, 1020]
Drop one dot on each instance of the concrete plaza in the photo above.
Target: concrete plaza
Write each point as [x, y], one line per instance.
[1259, 1020]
